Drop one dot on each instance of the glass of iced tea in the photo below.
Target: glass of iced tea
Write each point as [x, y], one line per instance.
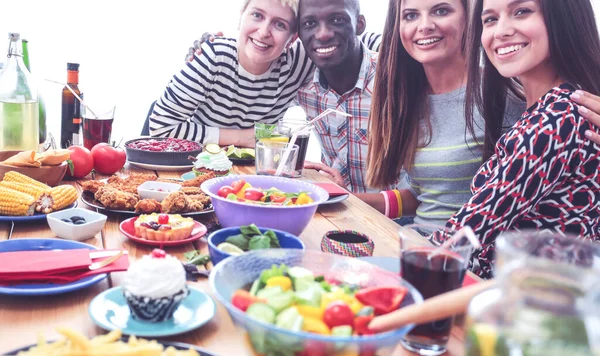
[97, 129]
[431, 274]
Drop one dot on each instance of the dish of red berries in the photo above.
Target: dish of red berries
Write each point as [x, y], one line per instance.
[161, 151]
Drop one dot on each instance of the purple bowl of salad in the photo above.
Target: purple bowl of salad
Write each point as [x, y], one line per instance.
[279, 215]
[303, 302]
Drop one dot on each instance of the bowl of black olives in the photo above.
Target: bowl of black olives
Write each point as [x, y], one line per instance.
[76, 224]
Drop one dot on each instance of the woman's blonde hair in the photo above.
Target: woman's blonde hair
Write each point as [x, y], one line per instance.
[291, 3]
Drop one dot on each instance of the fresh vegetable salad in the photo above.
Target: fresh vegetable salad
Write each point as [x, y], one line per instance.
[293, 298]
[244, 192]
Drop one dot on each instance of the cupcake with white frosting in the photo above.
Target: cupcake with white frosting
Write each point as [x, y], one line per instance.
[213, 159]
[155, 286]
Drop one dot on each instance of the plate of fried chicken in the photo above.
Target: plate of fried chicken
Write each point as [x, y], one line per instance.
[119, 195]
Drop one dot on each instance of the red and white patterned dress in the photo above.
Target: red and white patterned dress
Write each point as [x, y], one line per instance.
[544, 175]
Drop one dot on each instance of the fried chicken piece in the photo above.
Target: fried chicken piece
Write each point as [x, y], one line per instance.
[131, 183]
[195, 182]
[174, 203]
[91, 186]
[148, 206]
[116, 199]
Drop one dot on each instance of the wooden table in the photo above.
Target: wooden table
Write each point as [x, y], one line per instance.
[22, 318]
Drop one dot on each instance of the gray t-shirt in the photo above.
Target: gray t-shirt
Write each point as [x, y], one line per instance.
[443, 170]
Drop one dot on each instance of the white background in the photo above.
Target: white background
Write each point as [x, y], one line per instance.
[128, 50]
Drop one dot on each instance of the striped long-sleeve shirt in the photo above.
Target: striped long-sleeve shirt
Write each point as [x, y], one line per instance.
[214, 91]
[441, 175]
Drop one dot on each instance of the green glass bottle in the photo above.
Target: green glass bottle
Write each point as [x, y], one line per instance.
[42, 115]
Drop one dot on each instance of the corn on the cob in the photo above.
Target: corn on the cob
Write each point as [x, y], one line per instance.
[16, 203]
[32, 190]
[13, 176]
[56, 198]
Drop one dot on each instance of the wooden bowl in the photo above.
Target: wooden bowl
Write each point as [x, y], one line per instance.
[51, 175]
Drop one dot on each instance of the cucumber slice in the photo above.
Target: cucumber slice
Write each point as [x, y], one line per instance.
[256, 286]
[344, 330]
[301, 277]
[281, 301]
[262, 312]
[290, 319]
[311, 295]
[268, 292]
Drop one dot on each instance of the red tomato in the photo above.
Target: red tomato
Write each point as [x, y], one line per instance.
[382, 299]
[224, 191]
[108, 159]
[313, 348]
[253, 194]
[338, 314]
[242, 299]
[81, 161]
[238, 185]
[275, 198]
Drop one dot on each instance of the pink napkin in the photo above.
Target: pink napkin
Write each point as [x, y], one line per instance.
[333, 189]
[64, 276]
[43, 262]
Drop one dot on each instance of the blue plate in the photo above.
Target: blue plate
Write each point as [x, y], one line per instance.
[40, 245]
[36, 216]
[109, 310]
[391, 264]
[177, 345]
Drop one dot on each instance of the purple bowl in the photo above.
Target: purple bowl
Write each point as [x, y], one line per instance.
[292, 219]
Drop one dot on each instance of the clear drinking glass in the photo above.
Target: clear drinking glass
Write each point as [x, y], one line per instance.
[270, 155]
[547, 301]
[431, 274]
[277, 132]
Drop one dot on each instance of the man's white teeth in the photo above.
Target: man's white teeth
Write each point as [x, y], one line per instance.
[259, 44]
[325, 50]
[509, 49]
[429, 41]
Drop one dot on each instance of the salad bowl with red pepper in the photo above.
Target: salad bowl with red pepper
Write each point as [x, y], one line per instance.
[302, 302]
[267, 201]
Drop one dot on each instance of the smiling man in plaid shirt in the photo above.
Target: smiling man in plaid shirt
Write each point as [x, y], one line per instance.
[343, 81]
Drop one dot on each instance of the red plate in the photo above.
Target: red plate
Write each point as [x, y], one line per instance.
[128, 229]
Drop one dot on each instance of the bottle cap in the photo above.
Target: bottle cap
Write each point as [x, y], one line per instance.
[14, 36]
[72, 66]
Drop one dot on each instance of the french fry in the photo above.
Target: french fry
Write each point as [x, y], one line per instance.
[77, 344]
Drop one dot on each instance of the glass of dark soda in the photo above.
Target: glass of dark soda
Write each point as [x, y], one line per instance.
[97, 129]
[432, 274]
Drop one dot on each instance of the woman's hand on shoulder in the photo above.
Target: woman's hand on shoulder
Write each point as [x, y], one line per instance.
[197, 47]
[589, 108]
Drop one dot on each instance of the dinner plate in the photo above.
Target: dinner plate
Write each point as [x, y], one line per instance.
[334, 200]
[128, 229]
[158, 167]
[34, 217]
[41, 245]
[177, 345]
[110, 311]
[88, 199]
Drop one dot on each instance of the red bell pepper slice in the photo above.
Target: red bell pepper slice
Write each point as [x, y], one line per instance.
[382, 299]
[243, 299]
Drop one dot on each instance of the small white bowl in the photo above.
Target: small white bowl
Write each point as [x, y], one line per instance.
[94, 222]
[157, 190]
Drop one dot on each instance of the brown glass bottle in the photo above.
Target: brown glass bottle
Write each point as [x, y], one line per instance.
[69, 101]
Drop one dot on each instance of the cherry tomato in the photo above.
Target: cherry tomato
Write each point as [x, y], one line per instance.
[276, 198]
[253, 194]
[163, 219]
[338, 314]
[224, 191]
[238, 185]
[108, 159]
[243, 299]
[81, 161]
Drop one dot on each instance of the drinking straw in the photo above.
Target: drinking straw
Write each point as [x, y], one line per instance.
[74, 93]
[296, 133]
[464, 232]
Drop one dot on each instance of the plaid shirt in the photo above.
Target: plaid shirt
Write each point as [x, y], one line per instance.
[344, 140]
